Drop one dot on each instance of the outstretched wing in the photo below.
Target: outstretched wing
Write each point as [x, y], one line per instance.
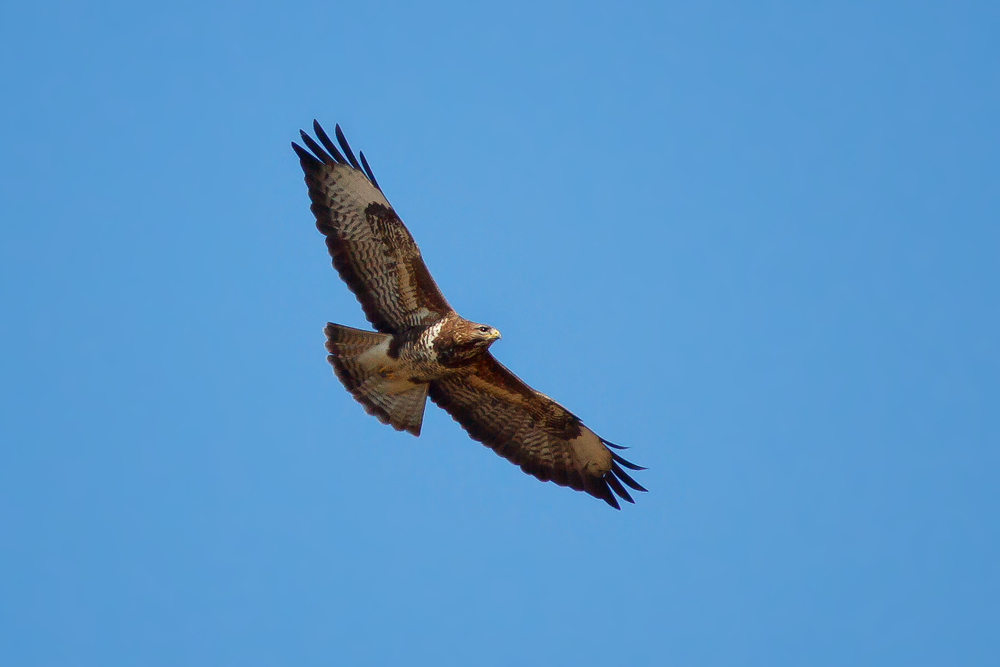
[371, 249]
[533, 431]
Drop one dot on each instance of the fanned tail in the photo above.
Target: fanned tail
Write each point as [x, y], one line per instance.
[361, 361]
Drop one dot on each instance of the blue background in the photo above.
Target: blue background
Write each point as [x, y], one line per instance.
[756, 242]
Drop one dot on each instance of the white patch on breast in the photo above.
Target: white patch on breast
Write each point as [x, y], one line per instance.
[432, 332]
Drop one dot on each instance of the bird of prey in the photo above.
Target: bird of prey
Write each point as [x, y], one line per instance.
[421, 347]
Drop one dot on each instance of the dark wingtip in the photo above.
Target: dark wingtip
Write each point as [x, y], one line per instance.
[368, 171]
[305, 156]
[624, 476]
[604, 493]
[342, 140]
[627, 464]
[611, 444]
[618, 488]
[316, 149]
[324, 139]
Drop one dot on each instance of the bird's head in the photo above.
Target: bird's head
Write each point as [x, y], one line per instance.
[484, 335]
[476, 336]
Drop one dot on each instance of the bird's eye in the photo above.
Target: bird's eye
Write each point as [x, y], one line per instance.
[484, 329]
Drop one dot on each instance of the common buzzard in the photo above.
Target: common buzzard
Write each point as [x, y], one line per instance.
[422, 347]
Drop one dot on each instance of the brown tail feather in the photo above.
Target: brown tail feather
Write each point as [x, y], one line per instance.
[367, 372]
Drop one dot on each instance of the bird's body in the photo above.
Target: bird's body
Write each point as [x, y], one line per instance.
[422, 347]
[385, 371]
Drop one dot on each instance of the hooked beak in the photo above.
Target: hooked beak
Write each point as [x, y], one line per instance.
[495, 335]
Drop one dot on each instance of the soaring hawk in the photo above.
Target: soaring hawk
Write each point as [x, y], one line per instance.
[421, 347]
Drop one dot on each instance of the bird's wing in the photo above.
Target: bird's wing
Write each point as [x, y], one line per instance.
[531, 430]
[371, 248]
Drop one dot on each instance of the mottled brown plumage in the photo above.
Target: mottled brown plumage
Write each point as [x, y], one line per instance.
[422, 347]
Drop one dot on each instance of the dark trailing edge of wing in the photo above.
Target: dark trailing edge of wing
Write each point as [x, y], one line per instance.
[328, 153]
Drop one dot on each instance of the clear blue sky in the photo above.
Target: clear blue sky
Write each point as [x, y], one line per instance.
[756, 242]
